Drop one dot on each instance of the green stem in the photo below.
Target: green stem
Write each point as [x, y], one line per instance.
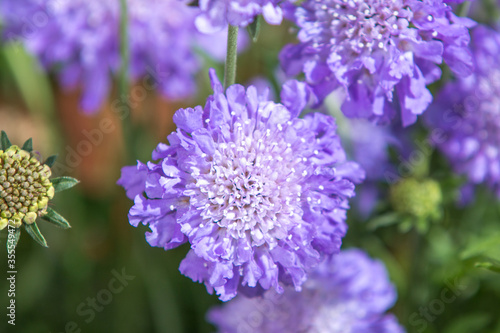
[123, 83]
[464, 10]
[231, 56]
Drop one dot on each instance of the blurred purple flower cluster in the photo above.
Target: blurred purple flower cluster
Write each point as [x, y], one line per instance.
[80, 40]
[465, 118]
[348, 293]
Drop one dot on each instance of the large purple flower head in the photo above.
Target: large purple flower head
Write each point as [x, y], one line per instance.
[382, 52]
[79, 39]
[348, 293]
[260, 195]
[465, 119]
[217, 14]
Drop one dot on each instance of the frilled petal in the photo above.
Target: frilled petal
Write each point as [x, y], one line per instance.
[259, 193]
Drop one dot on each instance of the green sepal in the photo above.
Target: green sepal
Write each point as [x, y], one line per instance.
[12, 244]
[28, 145]
[4, 139]
[50, 161]
[35, 233]
[63, 183]
[53, 217]
[254, 28]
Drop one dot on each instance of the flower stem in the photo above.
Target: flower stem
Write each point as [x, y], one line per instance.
[464, 9]
[231, 56]
[123, 83]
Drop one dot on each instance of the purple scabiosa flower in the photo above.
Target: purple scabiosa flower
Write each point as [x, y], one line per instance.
[79, 40]
[348, 293]
[217, 14]
[260, 195]
[383, 53]
[465, 118]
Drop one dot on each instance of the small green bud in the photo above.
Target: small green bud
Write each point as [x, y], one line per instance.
[418, 198]
[26, 188]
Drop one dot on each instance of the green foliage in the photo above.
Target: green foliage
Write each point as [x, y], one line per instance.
[53, 217]
[4, 140]
[63, 183]
[34, 232]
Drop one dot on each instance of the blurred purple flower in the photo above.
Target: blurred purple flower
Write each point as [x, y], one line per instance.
[217, 14]
[80, 41]
[376, 48]
[465, 118]
[260, 195]
[348, 293]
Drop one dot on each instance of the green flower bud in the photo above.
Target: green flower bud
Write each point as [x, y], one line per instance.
[418, 198]
[26, 187]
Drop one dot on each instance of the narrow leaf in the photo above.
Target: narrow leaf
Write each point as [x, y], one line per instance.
[5, 141]
[383, 221]
[13, 240]
[491, 264]
[53, 217]
[28, 145]
[254, 28]
[35, 233]
[63, 183]
[51, 160]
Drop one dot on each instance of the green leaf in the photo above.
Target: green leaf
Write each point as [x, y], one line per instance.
[489, 263]
[254, 28]
[4, 139]
[51, 160]
[53, 217]
[194, 3]
[383, 221]
[28, 145]
[12, 241]
[63, 183]
[35, 233]
[487, 245]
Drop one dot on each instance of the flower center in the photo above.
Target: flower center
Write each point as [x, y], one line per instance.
[361, 26]
[251, 188]
[25, 188]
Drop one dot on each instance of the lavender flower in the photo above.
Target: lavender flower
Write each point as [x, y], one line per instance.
[465, 119]
[375, 49]
[79, 39]
[348, 293]
[259, 194]
[217, 14]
